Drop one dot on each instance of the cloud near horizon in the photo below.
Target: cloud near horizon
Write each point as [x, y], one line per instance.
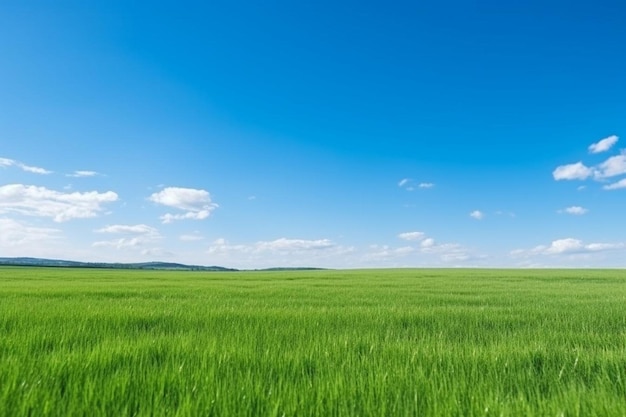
[14, 233]
[568, 246]
[138, 236]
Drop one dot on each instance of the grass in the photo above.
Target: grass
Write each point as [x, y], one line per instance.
[77, 342]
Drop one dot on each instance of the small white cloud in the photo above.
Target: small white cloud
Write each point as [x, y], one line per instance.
[616, 185]
[412, 235]
[577, 171]
[139, 229]
[82, 174]
[564, 245]
[615, 165]
[284, 244]
[197, 204]
[5, 163]
[575, 210]
[567, 246]
[477, 214]
[140, 236]
[39, 201]
[428, 243]
[409, 185]
[603, 145]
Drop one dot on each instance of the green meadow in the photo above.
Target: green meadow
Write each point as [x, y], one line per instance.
[413, 342]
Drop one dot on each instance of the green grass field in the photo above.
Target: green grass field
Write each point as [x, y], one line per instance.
[82, 342]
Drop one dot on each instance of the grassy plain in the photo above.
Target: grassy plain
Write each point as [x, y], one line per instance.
[83, 342]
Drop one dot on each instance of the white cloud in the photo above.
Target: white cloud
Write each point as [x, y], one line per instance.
[412, 235]
[577, 171]
[428, 243]
[39, 201]
[616, 185]
[575, 210]
[121, 243]
[385, 252]
[280, 252]
[603, 145]
[141, 235]
[477, 214]
[139, 229]
[615, 165]
[5, 163]
[81, 174]
[567, 246]
[197, 204]
[279, 245]
[190, 215]
[564, 245]
[284, 244]
[14, 233]
[409, 185]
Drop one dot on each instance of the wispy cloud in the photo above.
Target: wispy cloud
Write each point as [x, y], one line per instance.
[196, 204]
[137, 236]
[82, 174]
[616, 185]
[412, 235]
[567, 246]
[14, 233]
[409, 185]
[282, 251]
[5, 163]
[30, 200]
[614, 166]
[477, 214]
[139, 229]
[574, 210]
[603, 145]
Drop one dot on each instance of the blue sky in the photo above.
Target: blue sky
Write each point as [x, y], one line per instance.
[359, 134]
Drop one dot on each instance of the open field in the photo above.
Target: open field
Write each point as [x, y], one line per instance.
[312, 343]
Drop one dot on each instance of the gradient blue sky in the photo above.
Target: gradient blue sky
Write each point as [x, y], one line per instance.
[332, 134]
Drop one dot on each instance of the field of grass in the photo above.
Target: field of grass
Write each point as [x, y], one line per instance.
[88, 342]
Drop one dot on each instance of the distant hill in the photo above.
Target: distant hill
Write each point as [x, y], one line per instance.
[166, 266]
[143, 265]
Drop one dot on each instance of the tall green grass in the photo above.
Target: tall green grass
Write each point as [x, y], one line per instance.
[312, 343]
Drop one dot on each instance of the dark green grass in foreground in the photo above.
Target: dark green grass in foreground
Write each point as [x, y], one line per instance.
[318, 343]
